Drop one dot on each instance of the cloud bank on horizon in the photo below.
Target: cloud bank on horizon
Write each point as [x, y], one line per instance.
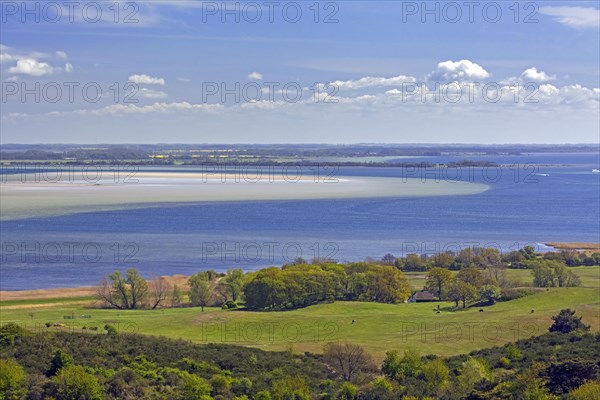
[224, 72]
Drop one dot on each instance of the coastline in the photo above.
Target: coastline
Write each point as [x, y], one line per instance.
[181, 280]
[587, 247]
[65, 293]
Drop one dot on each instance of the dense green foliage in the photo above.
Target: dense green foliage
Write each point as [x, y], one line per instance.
[296, 286]
[491, 258]
[126, 366]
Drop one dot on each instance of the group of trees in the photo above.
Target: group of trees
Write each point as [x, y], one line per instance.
[210, 288]
[207, 288]
[468, 285]
[551, 273]
[481, 276]
[484, 258]
[131, 291]
[295, 286]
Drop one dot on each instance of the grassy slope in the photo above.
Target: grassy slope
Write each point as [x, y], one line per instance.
[378, 327]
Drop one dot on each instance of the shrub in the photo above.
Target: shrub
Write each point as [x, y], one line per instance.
[13, 380]
[73, 382]
[110, 330]
[566, 321]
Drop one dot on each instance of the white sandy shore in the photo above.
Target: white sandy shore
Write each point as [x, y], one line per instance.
[23, 198]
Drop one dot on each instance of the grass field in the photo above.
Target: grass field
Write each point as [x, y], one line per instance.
[378, 327]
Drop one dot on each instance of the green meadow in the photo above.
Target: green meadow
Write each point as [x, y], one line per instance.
[377, 327]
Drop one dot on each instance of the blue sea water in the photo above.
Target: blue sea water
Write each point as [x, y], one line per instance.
[526, 204]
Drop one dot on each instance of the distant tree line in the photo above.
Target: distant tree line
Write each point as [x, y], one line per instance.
[292, 286]
[479, 257]
[481, 277]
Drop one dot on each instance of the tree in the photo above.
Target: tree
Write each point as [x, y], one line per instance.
[388, 259]
[490, 293]
[397, 368]
[461, 291]
[471, 276]
[472, 372]
[13, 380]
[528, 252]
[566, 321]
[391, 365]
[159, 289]
[74, 383]
[543, 275]
[265, 289]
[348, 359]
[564, 277]
[443, 260]
[200, 290]
[413, 262]
[437, 279]
[529, 385]
[437, 375]
[234, 280]
[387, 285]
[59, 360]
[138, 287]
[176, 296]
[127, 292]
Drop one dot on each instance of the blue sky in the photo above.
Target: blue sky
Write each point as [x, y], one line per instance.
[355, 71]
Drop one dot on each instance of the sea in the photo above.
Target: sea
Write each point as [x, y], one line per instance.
[532, 200]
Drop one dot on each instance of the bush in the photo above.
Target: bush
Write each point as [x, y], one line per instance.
[9, 332]
[587, 391]
[13, 380]
[566, 321]
[516, 293]
[110, 330]
[230, 304]
[73, 382]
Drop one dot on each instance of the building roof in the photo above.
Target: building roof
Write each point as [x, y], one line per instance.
[423, 295]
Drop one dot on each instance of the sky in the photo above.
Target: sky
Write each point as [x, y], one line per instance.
[300, 72]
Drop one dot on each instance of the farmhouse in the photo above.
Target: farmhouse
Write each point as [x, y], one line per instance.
[422, 295]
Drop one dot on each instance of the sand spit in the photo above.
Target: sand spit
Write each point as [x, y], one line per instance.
[24, 198]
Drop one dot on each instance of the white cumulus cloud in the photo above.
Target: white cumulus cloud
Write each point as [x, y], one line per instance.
[532, 74]
[142, 79]
[459, 70]
[30, 66]
[255, 76]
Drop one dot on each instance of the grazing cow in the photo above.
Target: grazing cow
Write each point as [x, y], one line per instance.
[481, 310]
[353, 321]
